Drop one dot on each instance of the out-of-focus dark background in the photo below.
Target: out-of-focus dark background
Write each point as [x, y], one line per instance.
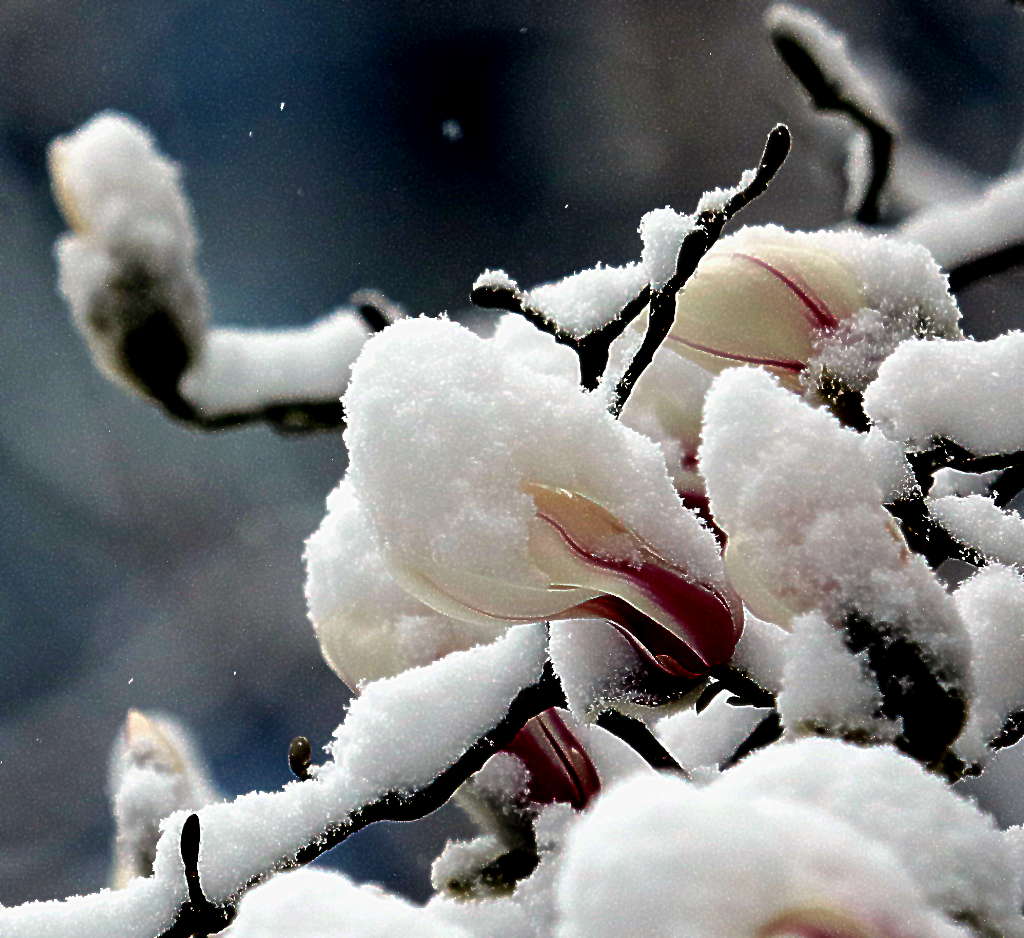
[146, 565]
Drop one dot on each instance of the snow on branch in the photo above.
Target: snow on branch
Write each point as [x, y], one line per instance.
[128, 271]
[405, 746]
[929, 390]
[974, 237]
[589, 310]
[817, 57]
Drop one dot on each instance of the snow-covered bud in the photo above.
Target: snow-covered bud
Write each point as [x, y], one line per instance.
[810, 306]
[807, 532]
[127, 268]
[154, 771]
[500, 493]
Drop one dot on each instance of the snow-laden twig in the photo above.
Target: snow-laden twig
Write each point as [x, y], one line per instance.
[974, 237]
[128, 271]
[817, 57]
[588, 311]
[404, 748]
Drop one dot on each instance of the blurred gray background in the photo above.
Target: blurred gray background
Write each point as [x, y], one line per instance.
[146, 565]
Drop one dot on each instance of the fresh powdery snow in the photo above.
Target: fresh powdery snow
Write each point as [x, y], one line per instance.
[825, 688]
[958, 390]
[992, 605]
[239, 370]
[400, 733]
[317, 904]
[595, 664]
[955, 853]
[953, 482]
[584, 302]
[657, 856]
[977, 521]
[519, 339]
[662, 231]
[707, 739]
[796, 494]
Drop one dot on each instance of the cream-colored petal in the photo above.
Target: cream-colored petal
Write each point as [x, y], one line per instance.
[762, 301]
[769, 600]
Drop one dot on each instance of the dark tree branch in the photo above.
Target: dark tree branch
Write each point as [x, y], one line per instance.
[198, 917]
[195, 918]
[915, 690]
[986, 265]
[638, 737]
[156, 354]
[696, 244]
[925, 536]
[592, 349]
[828, 94]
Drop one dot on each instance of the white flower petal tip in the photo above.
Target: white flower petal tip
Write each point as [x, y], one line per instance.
[684, 627]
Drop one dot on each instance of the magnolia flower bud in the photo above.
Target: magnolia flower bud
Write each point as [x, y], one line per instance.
[127, 267]
[705, 864]
[154, 771]
[828, 304]
[500, 493]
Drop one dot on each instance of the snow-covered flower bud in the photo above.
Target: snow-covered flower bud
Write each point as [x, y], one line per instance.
[705, 863]
[370, 628]
[500, 493]
[812, 307]
[127, 268]
[154, 771]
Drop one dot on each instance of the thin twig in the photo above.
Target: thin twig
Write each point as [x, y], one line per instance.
[638, 737]
[828, 94]
[591, 349]
[709, 226]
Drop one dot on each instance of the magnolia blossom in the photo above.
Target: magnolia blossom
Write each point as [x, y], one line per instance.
[501, 493]
[704, 863]
[154, 771]
[369, 627]
[785, 300]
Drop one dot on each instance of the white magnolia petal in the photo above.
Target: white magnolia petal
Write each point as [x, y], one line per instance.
[802, 498]
[954, 851]
[367, 625]
[781, 299]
